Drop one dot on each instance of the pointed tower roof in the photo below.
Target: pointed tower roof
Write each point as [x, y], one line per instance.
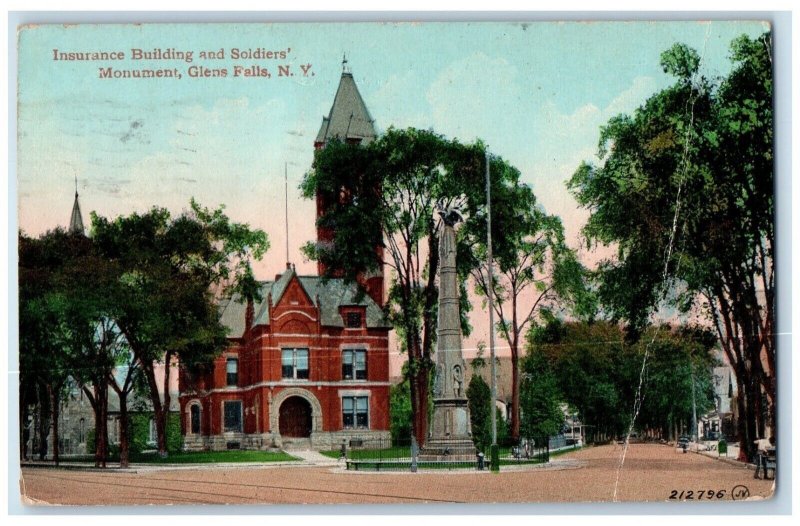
[349, 118]
[76, 220]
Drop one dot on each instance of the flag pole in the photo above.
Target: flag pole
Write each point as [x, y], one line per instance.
[495, 451]
[286, 207]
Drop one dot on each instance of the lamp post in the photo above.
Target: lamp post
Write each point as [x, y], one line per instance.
[495, 450]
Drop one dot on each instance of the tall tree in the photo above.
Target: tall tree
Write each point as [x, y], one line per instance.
[689, 176]
[535, 269]
[596, 371]
[165, 307]
[385, 194]
[590, 363]
[123, 381]
[44, 358]
[679, 380]
[91, 340]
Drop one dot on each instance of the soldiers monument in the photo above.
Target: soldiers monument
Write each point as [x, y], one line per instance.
[450, 433]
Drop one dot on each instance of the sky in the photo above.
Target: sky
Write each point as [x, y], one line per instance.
[536, 93]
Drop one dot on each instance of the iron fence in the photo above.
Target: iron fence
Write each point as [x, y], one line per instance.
[381, 454]
[529, 450]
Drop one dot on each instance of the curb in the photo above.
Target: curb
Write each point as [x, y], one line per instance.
[727, 460]
[143, 468]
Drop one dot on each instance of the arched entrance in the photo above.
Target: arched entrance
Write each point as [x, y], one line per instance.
[295, 418]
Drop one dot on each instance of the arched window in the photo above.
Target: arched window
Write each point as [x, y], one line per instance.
[195, 419]
[82, 431]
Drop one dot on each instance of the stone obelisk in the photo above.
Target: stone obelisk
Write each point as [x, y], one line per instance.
[450, 431]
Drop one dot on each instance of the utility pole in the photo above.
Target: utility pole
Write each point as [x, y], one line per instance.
[495, 450]
[694, 409]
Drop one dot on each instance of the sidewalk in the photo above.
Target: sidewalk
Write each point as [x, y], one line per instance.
[314, 458]
[306, 459]
[731, 457]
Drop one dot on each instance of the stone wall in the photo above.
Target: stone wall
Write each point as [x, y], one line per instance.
[320, 441]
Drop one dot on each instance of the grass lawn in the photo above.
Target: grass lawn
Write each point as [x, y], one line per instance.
[207, 457]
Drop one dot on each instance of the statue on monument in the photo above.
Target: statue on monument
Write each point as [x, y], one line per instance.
[458, 381]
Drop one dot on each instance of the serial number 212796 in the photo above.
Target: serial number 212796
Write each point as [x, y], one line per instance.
[703, 494]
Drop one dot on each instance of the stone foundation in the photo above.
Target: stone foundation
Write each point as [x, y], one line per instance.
[324, 441]
[451, 433]
[448, 450]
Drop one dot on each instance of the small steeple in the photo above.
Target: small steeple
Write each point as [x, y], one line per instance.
[76, 220]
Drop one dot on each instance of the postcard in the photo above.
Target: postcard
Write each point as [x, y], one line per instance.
[403, 263]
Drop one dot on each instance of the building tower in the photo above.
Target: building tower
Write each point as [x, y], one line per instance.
[76, 220]
[348, 121]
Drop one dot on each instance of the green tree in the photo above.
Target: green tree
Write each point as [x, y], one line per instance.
[92, 340]
[46, 361]
[400, 411]
[689, 177]
[164, 305]
[123, 381]
[535, 269]
[593, 371]
[679, 375]
[596, 371]
[385, 194]
[540, 398]
[480, 406]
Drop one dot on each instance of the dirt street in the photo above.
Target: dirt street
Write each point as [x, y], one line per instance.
[651, 473]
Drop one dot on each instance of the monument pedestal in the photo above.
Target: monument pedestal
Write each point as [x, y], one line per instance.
[451, 439]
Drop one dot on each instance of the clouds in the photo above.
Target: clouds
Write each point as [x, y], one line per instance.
[400, 103]
[478, 96]
[633, 97]
[544, 129]
[536, 94]
[564, 140]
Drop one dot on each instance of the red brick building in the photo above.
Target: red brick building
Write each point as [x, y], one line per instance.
[308, 365]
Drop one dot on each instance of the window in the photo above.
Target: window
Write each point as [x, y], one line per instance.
[355, 412]
[232, 370]
[353, 320]
[294, 364]
[354, 365]
[113, 431]
[82, 431]
[233, 416]
[194, 416]
[151, 435]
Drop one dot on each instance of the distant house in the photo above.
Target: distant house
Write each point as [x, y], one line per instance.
[722, 420]
[76, 421]
[504, 387]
